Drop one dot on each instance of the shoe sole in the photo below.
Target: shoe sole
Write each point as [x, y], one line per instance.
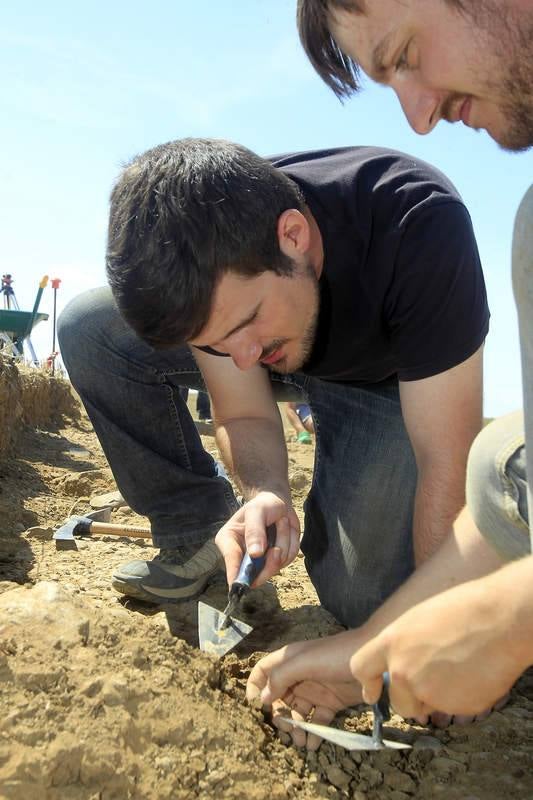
[135, 589]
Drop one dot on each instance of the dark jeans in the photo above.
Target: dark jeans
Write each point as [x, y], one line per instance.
[358, 516]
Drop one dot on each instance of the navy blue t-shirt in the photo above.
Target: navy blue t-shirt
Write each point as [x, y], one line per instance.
[402, 294]
[402, 291]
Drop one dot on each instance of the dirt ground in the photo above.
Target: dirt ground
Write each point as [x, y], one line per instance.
[103, 698]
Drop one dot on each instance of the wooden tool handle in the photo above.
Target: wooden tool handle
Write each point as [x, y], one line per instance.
[103, 528]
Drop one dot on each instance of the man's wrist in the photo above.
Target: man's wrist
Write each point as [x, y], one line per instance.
[283, 493]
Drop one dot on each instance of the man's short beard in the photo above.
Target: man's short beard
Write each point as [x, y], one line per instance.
[510, 33]
[518, 90]
[309, 335]
[519, 113]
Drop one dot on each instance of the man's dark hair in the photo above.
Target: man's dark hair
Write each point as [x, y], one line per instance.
[337, 70]
[182, 215]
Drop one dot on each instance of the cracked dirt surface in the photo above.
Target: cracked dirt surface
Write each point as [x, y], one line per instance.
[104, 698]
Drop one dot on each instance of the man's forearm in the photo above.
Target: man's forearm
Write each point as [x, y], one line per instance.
[438, 501]
[255, 454]
[443, 415]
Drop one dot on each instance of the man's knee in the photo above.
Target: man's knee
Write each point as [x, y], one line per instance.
[496, 486]
[86, 317]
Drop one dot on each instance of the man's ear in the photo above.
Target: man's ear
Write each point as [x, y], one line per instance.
[294, 233]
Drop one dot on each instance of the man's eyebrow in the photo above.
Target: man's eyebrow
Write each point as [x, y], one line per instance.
[378, 58]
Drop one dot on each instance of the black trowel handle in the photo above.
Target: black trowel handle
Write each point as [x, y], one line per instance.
[381, 711]
[251, 567]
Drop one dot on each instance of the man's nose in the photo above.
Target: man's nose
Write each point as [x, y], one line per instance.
[245, 351]
[420, 105]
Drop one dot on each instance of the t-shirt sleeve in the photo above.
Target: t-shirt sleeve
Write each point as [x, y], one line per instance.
[437, 311]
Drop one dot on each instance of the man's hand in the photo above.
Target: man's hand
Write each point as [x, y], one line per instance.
[293, 681]
[454, 652]
[245, 532]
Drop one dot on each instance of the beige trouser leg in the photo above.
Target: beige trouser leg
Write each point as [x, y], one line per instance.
[523, 290]
[498, 494]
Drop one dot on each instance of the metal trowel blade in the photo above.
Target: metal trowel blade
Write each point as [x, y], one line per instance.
[347, 739]
[215, 639]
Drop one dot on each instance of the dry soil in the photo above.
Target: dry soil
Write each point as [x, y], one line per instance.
[103, 698]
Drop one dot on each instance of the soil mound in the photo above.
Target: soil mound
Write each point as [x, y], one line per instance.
[32, 397]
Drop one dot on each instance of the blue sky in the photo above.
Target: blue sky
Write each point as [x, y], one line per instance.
[84, 87]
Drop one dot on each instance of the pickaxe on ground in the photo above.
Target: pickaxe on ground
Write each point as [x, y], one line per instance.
[87, 526]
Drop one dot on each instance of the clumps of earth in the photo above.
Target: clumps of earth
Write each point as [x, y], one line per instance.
[105, 698]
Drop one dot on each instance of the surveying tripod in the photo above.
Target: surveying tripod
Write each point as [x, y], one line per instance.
[11, 304]
[10, 301]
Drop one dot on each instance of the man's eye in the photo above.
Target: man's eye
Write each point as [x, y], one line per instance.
[402, 62]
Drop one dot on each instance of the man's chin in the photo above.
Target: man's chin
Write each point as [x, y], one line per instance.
[282, 367]
[516, 136]
[515, 145]
[285, 366]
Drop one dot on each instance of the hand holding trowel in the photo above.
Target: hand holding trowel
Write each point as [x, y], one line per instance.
[219, 631]
[358, 741]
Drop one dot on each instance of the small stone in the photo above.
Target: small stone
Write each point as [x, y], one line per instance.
[198, 764]
[446, 766]
[372, 776]
[165, 763]
[323, 760]
[399, 780]
[107, 500]
[217, 776]
[39, 533]
[348, 765]
[48, 609]
[337, 776]
[298, 480]
[427, 742]
[115, 691]
[91, 687]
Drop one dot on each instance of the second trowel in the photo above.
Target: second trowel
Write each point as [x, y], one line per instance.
[358, 741]
[219, 631]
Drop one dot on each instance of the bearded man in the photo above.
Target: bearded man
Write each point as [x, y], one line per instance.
[457, 634]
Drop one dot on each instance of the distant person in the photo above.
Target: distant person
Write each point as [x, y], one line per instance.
[301, 419]
[203, 405]
[462, 649]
